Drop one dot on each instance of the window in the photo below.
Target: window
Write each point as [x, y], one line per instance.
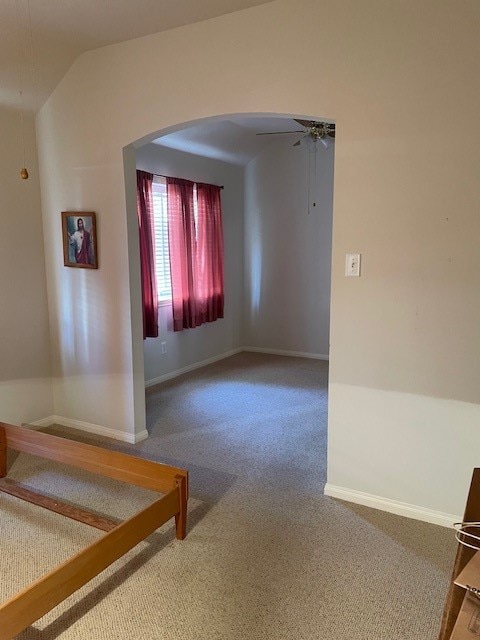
[186, 245]
[162, 256]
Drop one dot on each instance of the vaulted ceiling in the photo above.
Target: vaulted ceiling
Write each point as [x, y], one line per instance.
[51, 34]
[61, 30]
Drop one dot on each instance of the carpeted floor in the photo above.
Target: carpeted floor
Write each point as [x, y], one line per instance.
[267, 555]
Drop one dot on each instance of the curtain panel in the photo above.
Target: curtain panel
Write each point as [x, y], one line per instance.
[196, 253]
[210, 252]
[147, 254]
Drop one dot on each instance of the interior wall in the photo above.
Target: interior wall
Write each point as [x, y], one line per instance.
[25, 374]
[188, 347]
[90, 317]
[405, 196]
[288, 249]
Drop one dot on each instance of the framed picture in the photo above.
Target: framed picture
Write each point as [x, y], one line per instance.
[79, 239]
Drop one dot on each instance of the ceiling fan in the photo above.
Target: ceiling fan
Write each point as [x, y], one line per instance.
[322, 131]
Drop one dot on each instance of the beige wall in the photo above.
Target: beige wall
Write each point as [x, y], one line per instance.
[25, 374]
[400, 80]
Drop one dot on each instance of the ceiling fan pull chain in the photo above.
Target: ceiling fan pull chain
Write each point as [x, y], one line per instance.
[309, 180]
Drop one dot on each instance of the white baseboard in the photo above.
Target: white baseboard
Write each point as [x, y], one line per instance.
[138, 437]
[191, 367]
[227, 354]
[90, 428]
[38, 424]
[282, 352]
[392, 506]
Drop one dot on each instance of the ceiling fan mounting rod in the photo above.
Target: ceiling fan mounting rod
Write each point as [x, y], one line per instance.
[320, 130]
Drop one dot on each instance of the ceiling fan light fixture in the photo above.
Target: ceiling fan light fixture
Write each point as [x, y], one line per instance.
[311, 142]
[308, 141]
[314, 131]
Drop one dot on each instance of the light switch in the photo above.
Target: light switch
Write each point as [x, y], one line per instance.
[352, 264]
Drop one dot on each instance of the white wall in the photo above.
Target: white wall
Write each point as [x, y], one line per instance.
[185, 348]
[89, 309]
[392, 76]
[25, 373]
[288, 249]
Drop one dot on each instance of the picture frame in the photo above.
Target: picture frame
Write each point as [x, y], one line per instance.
[79, 231]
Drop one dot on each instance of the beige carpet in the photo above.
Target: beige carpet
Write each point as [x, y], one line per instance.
[267, 555]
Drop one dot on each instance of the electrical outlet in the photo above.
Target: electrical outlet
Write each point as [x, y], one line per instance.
[352, 264]
[164, 347]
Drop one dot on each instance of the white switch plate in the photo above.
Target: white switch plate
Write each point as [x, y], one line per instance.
[352, 264]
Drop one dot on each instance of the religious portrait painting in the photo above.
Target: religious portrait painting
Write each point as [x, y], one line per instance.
[79, 239]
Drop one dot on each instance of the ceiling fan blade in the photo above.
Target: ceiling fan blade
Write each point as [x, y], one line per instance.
[306, 123]
[276, 133]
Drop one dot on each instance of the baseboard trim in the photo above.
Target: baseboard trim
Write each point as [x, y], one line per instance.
[283, 352]
[90, 428]
[190, 367]
[38, 424]
[392, 506]
[142, 435]
[226, 354]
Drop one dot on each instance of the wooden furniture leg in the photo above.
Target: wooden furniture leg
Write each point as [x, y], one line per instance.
[181, 516]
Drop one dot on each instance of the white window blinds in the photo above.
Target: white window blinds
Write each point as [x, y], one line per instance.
[162, 256]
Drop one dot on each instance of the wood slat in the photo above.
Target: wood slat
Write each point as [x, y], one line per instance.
[33, 602]
[57, 506]
[111, 464]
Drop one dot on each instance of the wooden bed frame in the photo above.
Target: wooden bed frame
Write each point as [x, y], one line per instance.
[27, 606]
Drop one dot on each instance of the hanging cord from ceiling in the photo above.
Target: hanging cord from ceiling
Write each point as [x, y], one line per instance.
[20, 80]
[310, 153]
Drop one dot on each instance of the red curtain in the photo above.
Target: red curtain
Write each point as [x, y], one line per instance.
[210, 252]
[196, 253]
[147, 254]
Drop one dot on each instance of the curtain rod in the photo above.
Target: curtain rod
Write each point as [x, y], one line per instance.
[160, 175]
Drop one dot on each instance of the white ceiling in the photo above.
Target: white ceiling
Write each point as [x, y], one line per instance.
[233, 139]
[64, 29]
